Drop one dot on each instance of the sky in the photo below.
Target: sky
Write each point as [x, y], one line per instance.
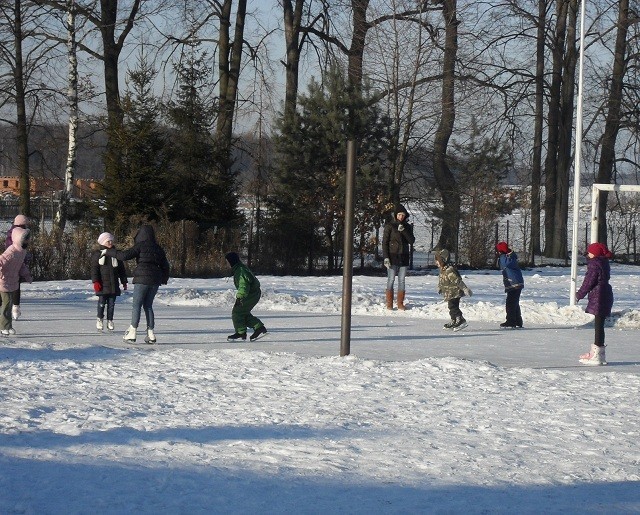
[416, 419]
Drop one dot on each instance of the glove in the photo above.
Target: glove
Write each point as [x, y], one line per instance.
[237, 303]
[400, 227]
[387, 262]
[124, 286]
[97, 286]
[467, 291]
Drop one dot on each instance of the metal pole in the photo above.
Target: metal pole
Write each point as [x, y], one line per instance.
[576, 168]
[347, 270]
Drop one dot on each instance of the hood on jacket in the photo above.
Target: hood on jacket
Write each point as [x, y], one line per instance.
[443, 254]
[145, 233]
[21, 221]
[20, 237]
[400, 209]
[232, 258]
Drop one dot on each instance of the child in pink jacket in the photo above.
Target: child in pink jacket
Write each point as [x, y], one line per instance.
[12, 269]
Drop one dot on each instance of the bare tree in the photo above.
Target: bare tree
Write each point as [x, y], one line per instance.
[60, 219]
[614, 108]
[444, 178]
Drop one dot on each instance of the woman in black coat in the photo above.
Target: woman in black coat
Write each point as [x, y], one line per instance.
[396, 241]
[152, 270]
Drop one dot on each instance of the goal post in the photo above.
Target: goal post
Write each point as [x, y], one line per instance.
[595, 203]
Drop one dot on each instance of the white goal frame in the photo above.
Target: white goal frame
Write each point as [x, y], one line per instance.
[595, 202]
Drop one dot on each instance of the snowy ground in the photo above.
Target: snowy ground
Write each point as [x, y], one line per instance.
[415, 420]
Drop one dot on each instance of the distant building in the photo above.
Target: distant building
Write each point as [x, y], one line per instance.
[41, 187]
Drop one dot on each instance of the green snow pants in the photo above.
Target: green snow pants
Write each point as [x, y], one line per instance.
[241, 314]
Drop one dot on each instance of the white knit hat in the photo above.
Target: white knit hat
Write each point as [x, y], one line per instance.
[105, 237]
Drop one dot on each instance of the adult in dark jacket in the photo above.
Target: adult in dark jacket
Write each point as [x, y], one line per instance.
[106, 274]
[596, 286]
[513, 284]
[396, 241]
[152, 270]
[22, 222]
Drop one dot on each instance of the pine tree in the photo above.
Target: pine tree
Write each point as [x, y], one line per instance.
[198, 192]
[308, 197]
[140, 185]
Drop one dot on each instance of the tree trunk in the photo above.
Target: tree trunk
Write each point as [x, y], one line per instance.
[565, 136]
[292, 20]
[445, 180]
[536, 167]
[229, 60]
[551, 161]
[72, 97]
[612, 125]
[111, 49]
[22, 139]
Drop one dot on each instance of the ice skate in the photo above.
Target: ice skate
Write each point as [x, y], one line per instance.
[595, 356]
[15, 312]
[151, 337]
[236, 336]
[110, 325]
[99, 324]
[450, 325]
[508, 325]
[258, 333]
[459, 324]
[130, 334]
[8, 332]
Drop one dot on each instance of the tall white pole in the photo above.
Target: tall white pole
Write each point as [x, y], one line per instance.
[576, 167]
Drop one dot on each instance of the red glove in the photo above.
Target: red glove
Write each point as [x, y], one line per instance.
[97, 286]
[124, 286]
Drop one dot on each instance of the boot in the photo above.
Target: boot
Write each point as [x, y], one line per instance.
[258, 333]
[99, 324]
[460, 323]
[151, 337]
[450, 325]
[130, 334]
[389, 299]
[401, 301]
[595, 356]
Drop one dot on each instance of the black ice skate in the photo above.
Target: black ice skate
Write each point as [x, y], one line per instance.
[236, 336]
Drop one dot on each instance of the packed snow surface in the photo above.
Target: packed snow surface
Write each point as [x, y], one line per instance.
[416, 419]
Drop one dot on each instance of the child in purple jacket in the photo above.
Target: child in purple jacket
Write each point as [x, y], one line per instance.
[596, 285]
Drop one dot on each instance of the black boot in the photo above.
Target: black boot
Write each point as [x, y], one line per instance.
[258, 333]
[236, 336]
[460, 323]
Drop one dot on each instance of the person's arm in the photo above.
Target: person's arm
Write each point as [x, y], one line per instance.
[25, 274]
[407, 234]
[385, 241]
[122, 273]
[165, 266]
[589, 282]
[123, 255]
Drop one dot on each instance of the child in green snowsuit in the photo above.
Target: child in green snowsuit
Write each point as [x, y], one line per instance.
[247, 296]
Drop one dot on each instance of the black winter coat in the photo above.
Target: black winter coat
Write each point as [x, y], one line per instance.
[152, 266]
[102, 270]
[395, 243]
